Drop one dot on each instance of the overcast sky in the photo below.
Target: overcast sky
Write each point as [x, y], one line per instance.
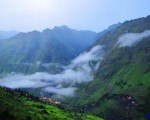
[96, 15]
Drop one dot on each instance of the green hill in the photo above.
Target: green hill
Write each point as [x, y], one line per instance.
[121, 86]
[19, 105]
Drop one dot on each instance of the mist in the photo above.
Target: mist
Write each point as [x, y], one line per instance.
[61, 91]
[87, 56]
[131, 39]
[80, 70]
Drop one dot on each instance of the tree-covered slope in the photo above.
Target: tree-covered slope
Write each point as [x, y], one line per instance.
[121, 86]
[19, 105]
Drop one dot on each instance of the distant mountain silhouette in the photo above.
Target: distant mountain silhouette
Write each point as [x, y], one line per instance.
[7, 34]
[60, 44]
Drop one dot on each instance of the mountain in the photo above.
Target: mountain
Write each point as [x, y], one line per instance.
[118, 62]
[110, 28]
[58, 45]
[121, 86]
[7, 34]
[19, 105]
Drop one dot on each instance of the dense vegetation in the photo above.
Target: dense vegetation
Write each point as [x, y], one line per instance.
[19, 105]
[121, 87]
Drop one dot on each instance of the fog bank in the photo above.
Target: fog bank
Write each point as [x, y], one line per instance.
[131, 39]
[80, 70]
[61, 91]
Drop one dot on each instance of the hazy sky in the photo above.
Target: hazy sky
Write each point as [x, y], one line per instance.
[96, 15]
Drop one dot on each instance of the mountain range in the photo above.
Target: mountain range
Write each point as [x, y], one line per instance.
[58, 45]
[43, 46]
[109, 78]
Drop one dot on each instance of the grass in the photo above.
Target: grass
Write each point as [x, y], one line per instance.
[17, 107]
[132, 80]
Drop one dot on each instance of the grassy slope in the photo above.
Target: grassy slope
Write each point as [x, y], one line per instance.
[17, 107]
[123, 72]
[131, 81]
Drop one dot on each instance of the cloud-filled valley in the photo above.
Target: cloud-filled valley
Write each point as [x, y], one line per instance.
[80, 70]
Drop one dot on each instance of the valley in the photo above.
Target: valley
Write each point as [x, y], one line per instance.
[92, 75]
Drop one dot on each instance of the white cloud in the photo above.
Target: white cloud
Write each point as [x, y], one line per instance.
[131, 39]
[61, 91]
[79, 71]
[88, 56]
[24, 81]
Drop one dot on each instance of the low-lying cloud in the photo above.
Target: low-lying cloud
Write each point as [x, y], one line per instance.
[87, 56]
[61, 91]
[131, 39]
[78, 71]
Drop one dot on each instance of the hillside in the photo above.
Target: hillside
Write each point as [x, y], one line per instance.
[19, 105]
[110, 28]
[121, 85]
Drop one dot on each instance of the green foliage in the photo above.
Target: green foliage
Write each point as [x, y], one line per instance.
[123, 72]
[14, 106]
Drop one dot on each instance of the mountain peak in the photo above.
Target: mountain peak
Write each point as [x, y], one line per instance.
[61, 27]
[113, 26]
[46, 30]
